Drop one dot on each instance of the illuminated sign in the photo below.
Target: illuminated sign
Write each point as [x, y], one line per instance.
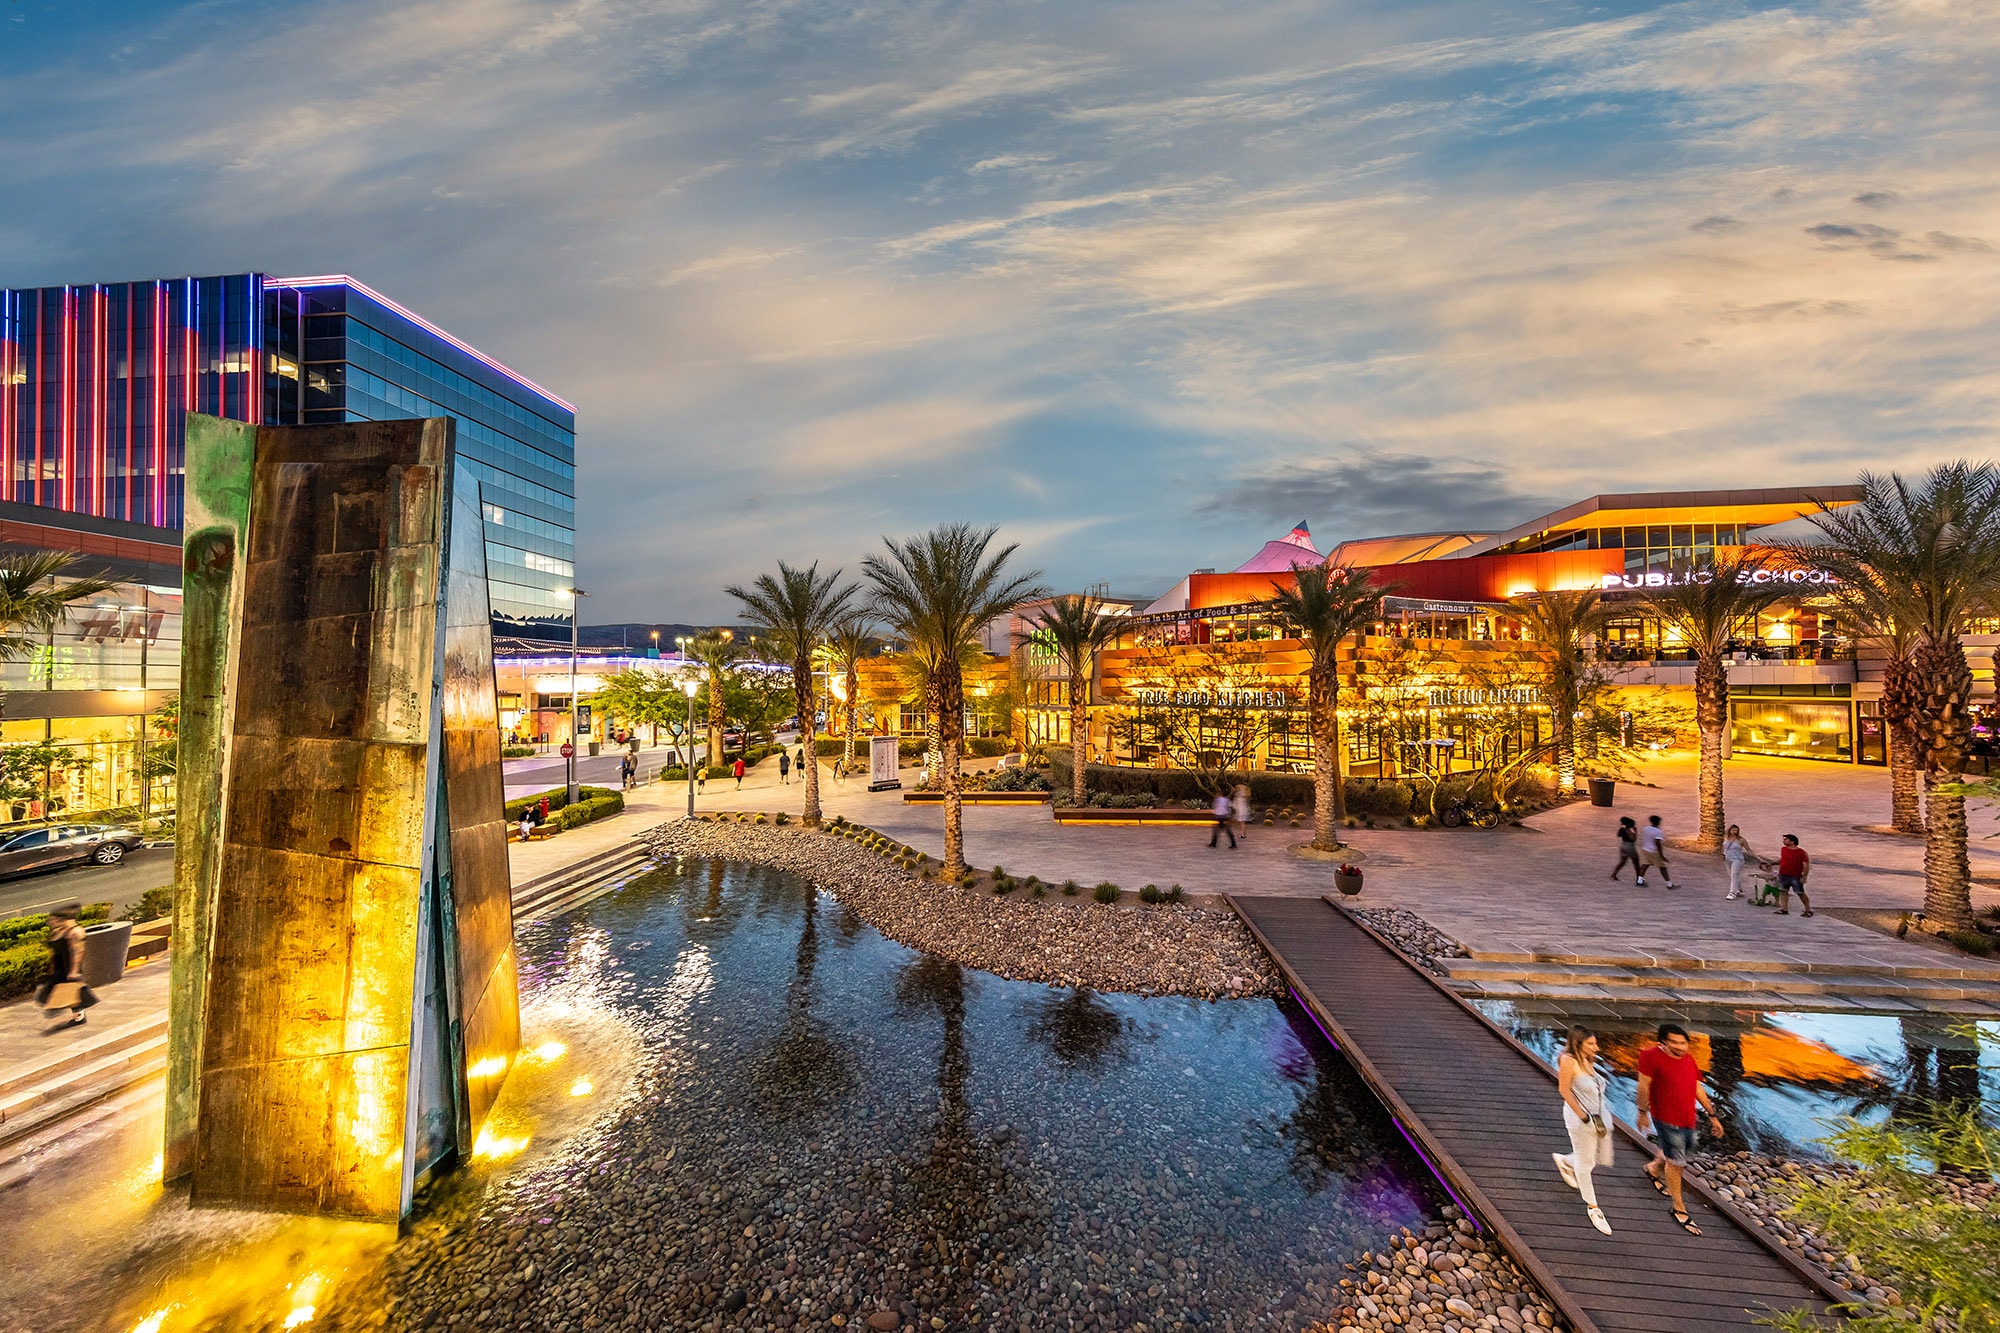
[1484, 698]
[1213, 698]
[1654, 578]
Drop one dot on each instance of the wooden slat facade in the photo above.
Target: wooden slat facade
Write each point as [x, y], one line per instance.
[1487, 1115]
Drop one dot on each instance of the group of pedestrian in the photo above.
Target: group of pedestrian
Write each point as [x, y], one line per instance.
[1646, 850]
[1672, 1101]
[1232, 815]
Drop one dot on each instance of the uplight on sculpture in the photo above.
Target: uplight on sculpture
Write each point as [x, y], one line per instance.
[343, 1003]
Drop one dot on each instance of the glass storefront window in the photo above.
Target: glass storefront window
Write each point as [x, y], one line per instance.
[1791, 728]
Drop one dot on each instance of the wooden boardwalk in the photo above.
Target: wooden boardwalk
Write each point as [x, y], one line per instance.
[1486, 1113]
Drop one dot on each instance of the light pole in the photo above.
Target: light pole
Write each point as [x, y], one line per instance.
[576, 596]
[689, 684]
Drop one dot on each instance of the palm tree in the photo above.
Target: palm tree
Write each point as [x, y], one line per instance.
[1561, 622]
[715, 651]
[1705, 606]
[1868, 611]
[32, 603]
[937, 590]
[1935, 551]
[797, 610]
[1077, 629]
[1329, 603]
[846, 644]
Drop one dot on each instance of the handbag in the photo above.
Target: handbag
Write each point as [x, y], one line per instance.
[67, 995]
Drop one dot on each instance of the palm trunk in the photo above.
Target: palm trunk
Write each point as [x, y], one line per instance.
[1323, 718]
[1947, 870]
[853, 689]
[718, 713]
[802, 693]
[1906, 813]
[1079, 733]
[1711, 710]
[933, 733]
[948, 723]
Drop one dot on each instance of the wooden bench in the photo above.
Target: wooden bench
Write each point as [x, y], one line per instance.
[535, 834]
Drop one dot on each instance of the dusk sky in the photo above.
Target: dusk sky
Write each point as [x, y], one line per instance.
[1142, 283]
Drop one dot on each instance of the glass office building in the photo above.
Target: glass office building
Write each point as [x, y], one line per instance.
[95, 385]
[95, 382]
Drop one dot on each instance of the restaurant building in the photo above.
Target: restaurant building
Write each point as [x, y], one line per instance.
[1206, 674]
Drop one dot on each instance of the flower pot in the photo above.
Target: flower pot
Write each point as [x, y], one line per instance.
[1348, 882]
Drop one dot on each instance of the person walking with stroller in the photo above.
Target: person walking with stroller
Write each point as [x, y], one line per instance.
[1628, 848]
[1653, 851]
[1793, 867]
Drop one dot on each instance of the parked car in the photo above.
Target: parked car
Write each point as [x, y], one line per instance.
[66, 844]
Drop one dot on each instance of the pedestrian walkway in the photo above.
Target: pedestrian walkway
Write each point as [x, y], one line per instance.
[1487, 1116]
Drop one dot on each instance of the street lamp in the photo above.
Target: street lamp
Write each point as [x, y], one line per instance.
[656, 643]
[690, 685]
[576, 596]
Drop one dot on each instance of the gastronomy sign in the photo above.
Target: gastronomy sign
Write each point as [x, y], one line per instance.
[1654, 578]
[1213, 698]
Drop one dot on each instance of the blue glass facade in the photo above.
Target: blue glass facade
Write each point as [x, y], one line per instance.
[95, 382]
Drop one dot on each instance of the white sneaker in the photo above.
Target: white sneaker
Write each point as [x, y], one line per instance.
[1597, 1219]
[1568, 1171]
[1640, 882]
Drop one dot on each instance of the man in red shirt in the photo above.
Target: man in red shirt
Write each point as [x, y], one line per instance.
[1793, 867]
[1669, 1091]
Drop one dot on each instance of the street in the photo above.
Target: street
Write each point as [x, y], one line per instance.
[119, 885]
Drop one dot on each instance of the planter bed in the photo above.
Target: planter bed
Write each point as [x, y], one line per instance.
[978, 797]
[1090, 814]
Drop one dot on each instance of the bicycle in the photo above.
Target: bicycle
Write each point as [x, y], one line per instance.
[1462, 811]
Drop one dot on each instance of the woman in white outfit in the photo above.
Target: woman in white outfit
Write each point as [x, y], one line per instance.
[1735, 851]
[1589, 1124]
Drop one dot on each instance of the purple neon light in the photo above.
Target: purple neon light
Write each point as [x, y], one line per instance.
[1422, 1156]
[342, 279]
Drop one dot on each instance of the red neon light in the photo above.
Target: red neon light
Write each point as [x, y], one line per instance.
[158, 478]
[131, 379]
[66, 439]
[101, 407]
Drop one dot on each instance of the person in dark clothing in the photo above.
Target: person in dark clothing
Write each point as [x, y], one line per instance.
[784, 766]
[1628, 846]
[1223, 812]
[62, 985]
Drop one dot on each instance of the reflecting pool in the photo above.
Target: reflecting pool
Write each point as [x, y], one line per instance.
[746, 1108]
[1782, 1077]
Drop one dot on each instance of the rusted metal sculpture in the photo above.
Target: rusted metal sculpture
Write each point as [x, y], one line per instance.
[344, 992]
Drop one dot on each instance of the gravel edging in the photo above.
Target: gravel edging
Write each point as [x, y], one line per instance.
[1447, 1277]
[1423, 942]
[1160, 949]
[1764, 1186]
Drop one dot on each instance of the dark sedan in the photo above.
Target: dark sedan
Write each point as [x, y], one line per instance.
[66, 845]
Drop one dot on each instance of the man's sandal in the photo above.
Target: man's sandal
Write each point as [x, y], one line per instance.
[1659, 1186]
[1687, 1223]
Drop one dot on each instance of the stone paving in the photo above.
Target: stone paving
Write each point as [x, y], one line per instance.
[1540, 889]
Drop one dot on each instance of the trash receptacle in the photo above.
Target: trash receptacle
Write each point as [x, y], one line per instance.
[1600, 790]
[105, 946]
[594, 746]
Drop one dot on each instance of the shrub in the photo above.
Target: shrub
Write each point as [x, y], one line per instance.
[1107, 892]
[1015, 779]
[1001, 886]
[987, 747]
[558, 797]
[911, 747]
[1176, 894]
[782, 818]
[1071, 888]
[1036, 888]
[153, 904]
[1972, 941]
[516, 751]
[998, 873]
[596, 807]
[1150, 894]
[21, 968]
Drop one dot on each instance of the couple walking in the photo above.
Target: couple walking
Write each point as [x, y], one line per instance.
[1670, 1092]
[1645, 848]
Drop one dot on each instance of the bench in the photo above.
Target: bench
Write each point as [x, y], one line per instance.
[535, 834]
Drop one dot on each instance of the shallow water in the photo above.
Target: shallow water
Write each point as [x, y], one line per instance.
[764, 1112]
[1783, 1078]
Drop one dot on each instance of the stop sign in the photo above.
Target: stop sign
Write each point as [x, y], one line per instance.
[568, 749]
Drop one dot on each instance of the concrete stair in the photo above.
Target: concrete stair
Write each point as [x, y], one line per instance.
[44, 1090]
[572, 886]
[1760, 983]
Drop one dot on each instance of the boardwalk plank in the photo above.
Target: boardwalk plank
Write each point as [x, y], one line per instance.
[1488, 1116]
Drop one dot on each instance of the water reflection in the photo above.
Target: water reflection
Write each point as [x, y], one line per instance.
[808, 1066]
[1080, 1029]
[1782, 1077]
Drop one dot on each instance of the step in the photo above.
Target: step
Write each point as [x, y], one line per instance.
[95, 1045]
[1971, 970]
[110, 1071]
[1544, 979]
[57, 1109]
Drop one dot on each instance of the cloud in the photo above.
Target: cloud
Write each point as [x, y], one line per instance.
[1716, 225]
[1878, 199]
[1361, 492]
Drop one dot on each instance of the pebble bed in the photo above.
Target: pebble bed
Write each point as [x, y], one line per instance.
[1423, 942]
[1128, 948]
[1448, 1278]
[1764, 1187]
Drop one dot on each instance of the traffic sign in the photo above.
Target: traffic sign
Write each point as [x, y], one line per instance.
[568, 749]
